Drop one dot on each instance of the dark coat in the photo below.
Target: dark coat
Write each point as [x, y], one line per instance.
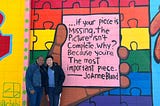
[59, 77]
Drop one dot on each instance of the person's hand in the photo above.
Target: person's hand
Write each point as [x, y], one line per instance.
[155, 28]
[32, 91]
[47, 97]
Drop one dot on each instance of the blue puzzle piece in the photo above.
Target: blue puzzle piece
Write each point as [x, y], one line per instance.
[140, 84]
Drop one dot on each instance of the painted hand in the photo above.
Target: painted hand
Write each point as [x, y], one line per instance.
[155, 28]
[71, 96]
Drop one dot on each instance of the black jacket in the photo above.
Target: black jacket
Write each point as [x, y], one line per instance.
[59, 77]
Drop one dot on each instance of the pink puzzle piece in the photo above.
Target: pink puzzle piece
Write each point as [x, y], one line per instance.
[46, 4]
[76, 3]
[104, 3]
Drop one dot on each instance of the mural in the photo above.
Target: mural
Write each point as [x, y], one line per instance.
[109, 49]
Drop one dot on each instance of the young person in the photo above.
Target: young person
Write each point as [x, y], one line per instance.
[56, 78]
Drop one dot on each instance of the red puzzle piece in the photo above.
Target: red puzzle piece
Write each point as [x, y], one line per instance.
[4, 45]
[137, 17]
[127, 3]
[46, 18]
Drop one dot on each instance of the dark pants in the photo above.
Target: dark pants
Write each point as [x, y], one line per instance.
[35, 99]
[53, 98]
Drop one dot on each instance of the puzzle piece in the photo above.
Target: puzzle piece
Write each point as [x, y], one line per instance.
[136, 19]
[134, 36]
[126, 3]
[140, 83]
[38, 41]
[54, 4]
[104, 3]
[35, 17]
[5, 40]
[137, 100]
[76, 4]
[5, 45]
[99, 6]
[135, 60]
[45, 18]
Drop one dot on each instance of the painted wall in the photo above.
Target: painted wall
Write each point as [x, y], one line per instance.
[11, 52]
[107, 48]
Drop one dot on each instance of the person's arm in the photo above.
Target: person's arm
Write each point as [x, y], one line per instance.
[45, 74]
[28, 79]
[62, 75]
[45, 68]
